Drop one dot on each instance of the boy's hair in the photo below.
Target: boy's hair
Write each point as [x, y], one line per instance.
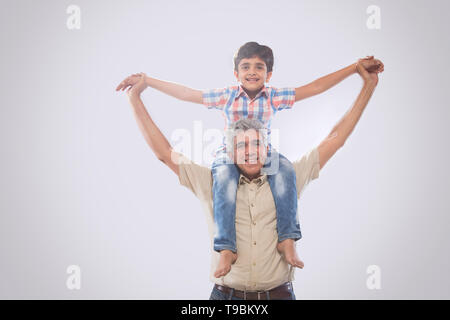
[251, 49]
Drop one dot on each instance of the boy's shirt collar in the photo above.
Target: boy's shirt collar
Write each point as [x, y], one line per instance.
[242, 92]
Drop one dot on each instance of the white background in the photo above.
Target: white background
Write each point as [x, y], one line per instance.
[79, 185]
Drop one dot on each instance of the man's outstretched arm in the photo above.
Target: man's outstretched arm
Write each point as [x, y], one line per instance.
[326, 82]
[154, 137]
[342, 130]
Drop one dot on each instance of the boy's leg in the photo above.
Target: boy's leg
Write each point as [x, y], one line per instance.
[282, 181]
[225, 182]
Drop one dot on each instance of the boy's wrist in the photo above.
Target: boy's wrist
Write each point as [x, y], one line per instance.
[354, 67]
[147, 80]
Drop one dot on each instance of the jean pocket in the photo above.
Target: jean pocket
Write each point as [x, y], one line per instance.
[217, 295]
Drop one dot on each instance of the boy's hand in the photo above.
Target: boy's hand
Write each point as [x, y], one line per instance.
[371, 64]
[139, 86]
[129, 82]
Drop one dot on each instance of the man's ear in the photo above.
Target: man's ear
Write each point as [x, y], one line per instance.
[269, 75]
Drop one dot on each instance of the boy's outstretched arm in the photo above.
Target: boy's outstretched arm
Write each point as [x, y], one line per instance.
[324, 83]
[175, 90]
[171, 88]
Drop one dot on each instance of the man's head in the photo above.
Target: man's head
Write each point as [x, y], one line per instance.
[248, 141]
[253, 65]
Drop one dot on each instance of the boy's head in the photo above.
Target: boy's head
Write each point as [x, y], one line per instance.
[253, 65]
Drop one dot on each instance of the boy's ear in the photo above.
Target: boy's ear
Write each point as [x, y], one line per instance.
[269, 75]
[236, 75]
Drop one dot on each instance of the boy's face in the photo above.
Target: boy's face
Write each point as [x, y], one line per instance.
[252, 74]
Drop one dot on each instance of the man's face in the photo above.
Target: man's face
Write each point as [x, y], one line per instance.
[252, 73]
[249, 152]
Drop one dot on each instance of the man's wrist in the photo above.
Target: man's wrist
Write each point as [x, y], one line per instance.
[134, 97]
[370, 84]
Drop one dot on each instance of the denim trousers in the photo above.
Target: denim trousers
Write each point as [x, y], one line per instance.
[282, 180]
[216, 294]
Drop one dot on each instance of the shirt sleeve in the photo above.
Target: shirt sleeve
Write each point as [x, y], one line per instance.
[196, 178]
[283, 98]
[216, 98]
[306, 169]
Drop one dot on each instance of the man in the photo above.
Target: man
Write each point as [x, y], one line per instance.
[260, 272]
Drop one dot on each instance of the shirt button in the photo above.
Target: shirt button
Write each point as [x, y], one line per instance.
[254, 223]
[254, 243]
[253, 204]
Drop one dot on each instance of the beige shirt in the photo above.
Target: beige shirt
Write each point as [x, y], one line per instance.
[259, 265]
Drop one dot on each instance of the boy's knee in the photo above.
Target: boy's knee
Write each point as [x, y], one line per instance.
[226, 181]
[225, 173]
[280, 184]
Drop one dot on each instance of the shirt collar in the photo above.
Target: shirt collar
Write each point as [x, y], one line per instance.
[261, 92]
[259, 181]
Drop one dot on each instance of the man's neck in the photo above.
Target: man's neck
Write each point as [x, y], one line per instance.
[251, 177]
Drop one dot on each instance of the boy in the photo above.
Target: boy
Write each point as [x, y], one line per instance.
[253, 65]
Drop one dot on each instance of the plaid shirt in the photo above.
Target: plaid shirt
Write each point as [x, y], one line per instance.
[235, 104]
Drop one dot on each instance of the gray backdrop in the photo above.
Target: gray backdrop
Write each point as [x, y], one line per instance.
[79, 185]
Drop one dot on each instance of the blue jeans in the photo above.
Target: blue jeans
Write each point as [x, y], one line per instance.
[282, 181]
[219, 295]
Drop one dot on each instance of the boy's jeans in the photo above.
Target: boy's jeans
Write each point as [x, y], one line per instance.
[282, 181]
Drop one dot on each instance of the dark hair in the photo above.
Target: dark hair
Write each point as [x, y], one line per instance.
[251, 49]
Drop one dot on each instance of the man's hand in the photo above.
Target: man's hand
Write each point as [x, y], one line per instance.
[368, 77]
[139, 85]
[371, 64]
[129, 82]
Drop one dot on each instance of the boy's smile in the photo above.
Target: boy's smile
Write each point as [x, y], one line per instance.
[252, 74]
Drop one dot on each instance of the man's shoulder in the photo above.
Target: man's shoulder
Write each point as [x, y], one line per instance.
[195, 177]
[310, 156]
[307, 168]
